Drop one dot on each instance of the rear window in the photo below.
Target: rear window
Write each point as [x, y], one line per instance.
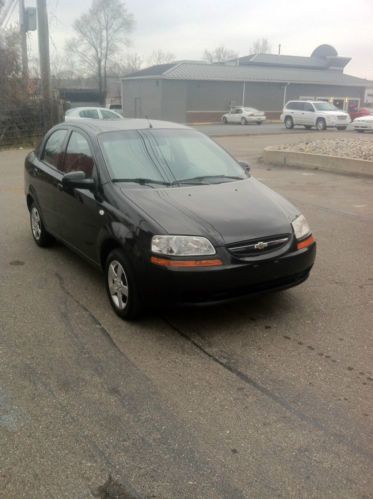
[89, 113]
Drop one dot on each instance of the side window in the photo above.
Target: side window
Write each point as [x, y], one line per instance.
[239, 111]
[89, 113]
[108, 115]
[53, 149]
[78, 155]
[290, 105]
[308, 107]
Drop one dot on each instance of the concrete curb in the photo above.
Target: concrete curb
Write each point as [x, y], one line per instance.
[307, 161]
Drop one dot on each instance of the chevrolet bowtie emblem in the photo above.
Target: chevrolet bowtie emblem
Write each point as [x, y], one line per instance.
[261, 245]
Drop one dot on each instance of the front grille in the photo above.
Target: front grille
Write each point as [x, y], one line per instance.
[259, 247]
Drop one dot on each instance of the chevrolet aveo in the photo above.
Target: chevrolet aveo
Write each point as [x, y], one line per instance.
[167, 214]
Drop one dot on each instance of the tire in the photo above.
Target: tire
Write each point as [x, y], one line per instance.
[243, 121]
[341, 127]
[121, 286]
[38, 230]
[307, 127]
[259, 122]
[360, 131]
[225, 121]
[320, 124]
[289, 123]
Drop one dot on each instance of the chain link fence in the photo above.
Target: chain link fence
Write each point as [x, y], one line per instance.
[25, 121]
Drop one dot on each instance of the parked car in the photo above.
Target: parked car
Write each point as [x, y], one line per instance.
[93, 113]
[244, 115]
[166, 213]
[318, 114]
[363, 124]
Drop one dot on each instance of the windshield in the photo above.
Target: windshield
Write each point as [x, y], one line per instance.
[171, 156]
[325, 106]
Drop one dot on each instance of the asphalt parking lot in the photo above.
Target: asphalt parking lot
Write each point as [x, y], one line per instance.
[267, 397]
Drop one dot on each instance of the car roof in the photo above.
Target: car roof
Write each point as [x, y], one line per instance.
[86, 107]
[95, 127]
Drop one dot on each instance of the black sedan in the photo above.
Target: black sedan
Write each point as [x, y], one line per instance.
[166, 213]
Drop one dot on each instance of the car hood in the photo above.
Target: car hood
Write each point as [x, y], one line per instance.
[366, 117]
[333, 113]
[226, 213]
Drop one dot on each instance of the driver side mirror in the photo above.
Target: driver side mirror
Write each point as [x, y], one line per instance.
[78, 180]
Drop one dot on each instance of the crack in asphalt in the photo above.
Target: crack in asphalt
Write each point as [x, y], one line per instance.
[97, 323]
[268, 393]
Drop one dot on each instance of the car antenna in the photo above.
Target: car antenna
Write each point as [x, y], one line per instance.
[150, 125]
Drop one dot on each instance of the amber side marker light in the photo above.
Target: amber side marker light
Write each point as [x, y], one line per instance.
[307, 242]
[186, 263]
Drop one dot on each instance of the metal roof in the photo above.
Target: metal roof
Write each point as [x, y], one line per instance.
[216, 72]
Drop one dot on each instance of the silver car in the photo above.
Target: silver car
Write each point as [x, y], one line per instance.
[244, 115]
[93, 113]
[318, 114]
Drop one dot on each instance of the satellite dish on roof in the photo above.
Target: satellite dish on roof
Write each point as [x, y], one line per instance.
[324, 51]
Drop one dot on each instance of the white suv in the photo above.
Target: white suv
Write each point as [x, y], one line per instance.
[319, 114]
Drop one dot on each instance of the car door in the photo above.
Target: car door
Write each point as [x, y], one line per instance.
[298, 114]
[45, 177]
[309, 114]
[81, 209]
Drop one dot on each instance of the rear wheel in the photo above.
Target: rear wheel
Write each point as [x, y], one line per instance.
[243, 121]
[259, 122]
[289, 123]
[38, 230]
[320, 124]
[225, 121]
[121, 286]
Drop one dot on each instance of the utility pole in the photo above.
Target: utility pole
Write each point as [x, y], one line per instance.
[22, 31]
[43, 38]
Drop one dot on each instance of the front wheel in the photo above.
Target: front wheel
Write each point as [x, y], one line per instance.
[121, 286]
[225, 121]
[259, 122]
[38, 230]
[243, 121]
[307, 127]
[360, 131]
[289, 123]
[320, 124]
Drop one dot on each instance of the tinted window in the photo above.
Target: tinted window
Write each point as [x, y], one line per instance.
[78, 155]
[89, 113]
[308, 107]
[54, 147]
[325, 106]
[290, 105]
[108, 115]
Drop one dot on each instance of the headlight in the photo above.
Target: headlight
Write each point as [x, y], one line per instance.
[301, 227]
[182, 246]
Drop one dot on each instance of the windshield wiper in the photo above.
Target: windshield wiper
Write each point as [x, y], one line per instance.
[141, 181]
[199, 180]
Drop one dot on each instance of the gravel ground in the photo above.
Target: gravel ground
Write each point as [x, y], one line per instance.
[344, 147]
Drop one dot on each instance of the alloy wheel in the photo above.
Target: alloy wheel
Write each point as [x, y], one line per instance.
[35, 223]
[118, 285]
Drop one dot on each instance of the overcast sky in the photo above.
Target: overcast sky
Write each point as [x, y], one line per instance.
[187, 27]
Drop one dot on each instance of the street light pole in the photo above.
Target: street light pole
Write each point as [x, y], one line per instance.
[22, 31]
[43, 38]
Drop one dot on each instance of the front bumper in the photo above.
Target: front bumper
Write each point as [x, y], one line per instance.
[231, 281]
[362, 126]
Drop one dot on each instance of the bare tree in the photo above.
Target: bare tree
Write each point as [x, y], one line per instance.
[122, 67]
[160, 57]
[220, 54]
[101, 33]
[260, 46]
